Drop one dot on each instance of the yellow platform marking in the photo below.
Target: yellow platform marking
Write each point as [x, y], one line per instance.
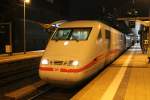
[113, 87]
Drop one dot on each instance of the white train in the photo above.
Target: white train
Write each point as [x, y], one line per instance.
[79, 49]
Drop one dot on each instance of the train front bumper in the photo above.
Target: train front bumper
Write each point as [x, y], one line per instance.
[58, 77]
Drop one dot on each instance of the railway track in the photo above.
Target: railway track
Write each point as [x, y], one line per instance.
[28, 92]
[12, 71]
[58, 93]
[16, 74]
[42, 91]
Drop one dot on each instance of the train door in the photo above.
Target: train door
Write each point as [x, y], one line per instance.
[124, 42]
[107, 45]
[99, 39]
[108, 39]
[100, 49]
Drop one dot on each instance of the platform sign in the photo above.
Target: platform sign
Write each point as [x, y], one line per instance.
[8, 48]
[4, 32]
[6, 37]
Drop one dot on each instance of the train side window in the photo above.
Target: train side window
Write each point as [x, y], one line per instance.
[107, 34]
[108, 38]
[99, 35]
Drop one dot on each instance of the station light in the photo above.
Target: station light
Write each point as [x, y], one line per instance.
[27, 1]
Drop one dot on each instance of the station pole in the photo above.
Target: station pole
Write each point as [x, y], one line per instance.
[24, 25]
[148, 53]
[10, 33]
[149, 25]
[25, 2]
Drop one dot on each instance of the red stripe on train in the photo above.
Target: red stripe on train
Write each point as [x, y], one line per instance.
[68, 70]
[76, 70]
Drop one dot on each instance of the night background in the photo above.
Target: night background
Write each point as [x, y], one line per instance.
[48, 11]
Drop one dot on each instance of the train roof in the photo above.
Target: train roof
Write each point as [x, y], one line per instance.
[85, 23]
[80, 23]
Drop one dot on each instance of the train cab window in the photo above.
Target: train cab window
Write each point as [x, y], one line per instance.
[62, 34]
[108, 38]
[72, 34]
[80, 34]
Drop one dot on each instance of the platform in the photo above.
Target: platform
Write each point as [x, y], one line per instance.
[127, 78]
[20, 56]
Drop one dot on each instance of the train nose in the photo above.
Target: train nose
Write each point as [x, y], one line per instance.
[56, 77]
[60, 71]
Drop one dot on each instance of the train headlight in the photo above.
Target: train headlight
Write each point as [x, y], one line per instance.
[44, 61]
[75, 63]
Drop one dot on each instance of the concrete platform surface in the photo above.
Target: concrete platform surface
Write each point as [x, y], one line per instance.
[127, 78]
[20, 56]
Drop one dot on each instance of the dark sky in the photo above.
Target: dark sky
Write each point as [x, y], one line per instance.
[94, 8]
[76, 9]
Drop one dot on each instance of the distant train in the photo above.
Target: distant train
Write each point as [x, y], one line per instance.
[78, 50]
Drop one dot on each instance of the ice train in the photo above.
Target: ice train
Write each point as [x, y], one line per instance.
[79, 49]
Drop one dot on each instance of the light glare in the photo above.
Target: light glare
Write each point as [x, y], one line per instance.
[44, 61]
[75, 63]
[27, 1]
[66, 43]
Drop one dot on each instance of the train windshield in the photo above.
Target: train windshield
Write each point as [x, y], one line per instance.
[72, 34]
